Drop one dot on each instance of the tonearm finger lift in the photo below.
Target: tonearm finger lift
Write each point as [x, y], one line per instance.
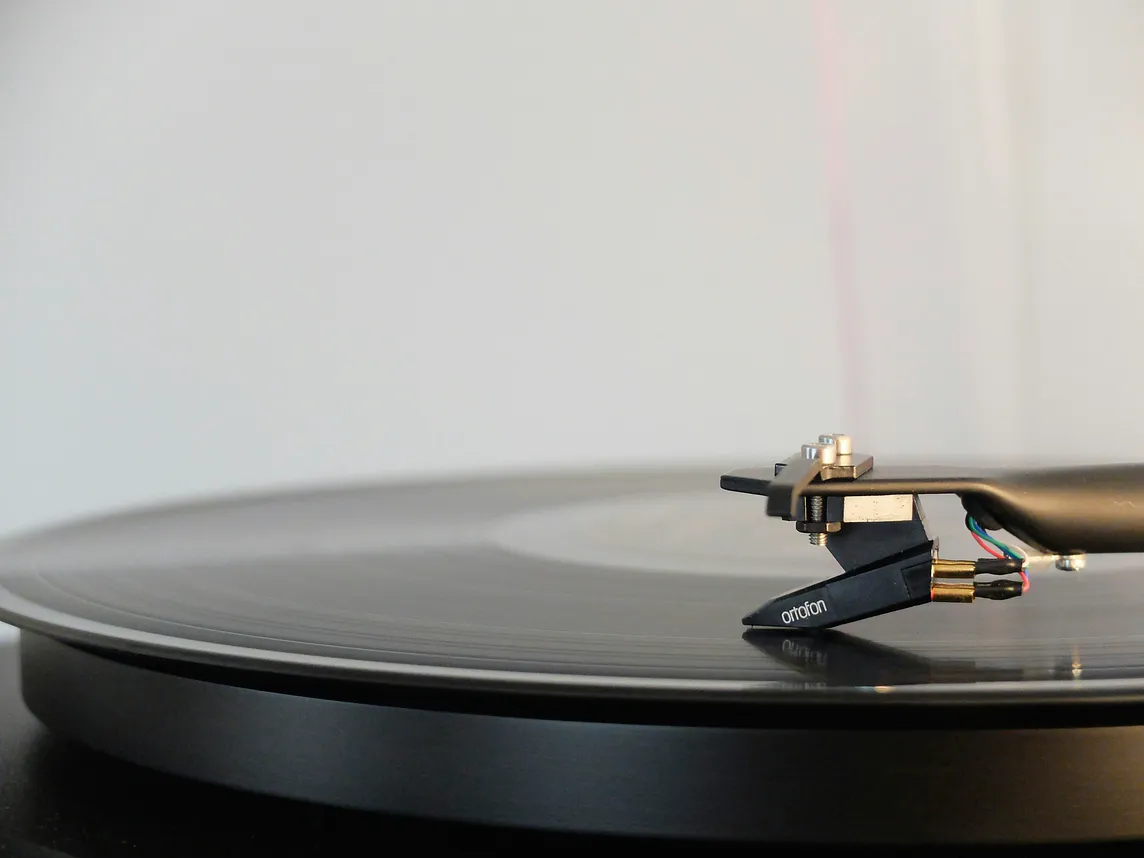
[871, 521]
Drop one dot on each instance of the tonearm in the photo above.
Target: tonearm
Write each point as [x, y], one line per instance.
[870, 520]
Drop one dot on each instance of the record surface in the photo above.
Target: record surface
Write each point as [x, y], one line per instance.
[614, 584]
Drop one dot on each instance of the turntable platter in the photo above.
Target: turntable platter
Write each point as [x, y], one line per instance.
[566, 652]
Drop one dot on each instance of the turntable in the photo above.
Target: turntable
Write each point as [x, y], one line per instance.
[583, 653]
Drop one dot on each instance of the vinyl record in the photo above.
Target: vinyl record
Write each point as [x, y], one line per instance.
[612, 585]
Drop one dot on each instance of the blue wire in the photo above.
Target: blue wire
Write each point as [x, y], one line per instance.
[1005, 549]
[1001, 546]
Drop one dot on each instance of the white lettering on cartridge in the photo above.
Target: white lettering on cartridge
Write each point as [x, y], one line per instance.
[803, 611]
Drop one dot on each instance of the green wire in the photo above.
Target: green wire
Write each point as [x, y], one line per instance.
[1001, 546]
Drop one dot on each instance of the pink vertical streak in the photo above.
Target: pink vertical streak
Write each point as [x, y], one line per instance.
[839, 209]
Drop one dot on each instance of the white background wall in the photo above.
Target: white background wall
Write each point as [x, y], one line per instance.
[259, 243]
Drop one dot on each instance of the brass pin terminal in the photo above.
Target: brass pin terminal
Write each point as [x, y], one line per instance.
[952, 591]
[953, 569]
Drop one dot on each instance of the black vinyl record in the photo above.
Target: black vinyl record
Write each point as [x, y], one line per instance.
[607, 585]
[566, 652]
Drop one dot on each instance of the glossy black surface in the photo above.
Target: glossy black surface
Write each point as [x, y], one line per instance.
[586, 596]
[846, 780]
[849, 778]
[61, 800]
[602, 584]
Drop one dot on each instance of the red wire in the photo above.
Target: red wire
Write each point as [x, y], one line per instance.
[987, 546]
[999, 555]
